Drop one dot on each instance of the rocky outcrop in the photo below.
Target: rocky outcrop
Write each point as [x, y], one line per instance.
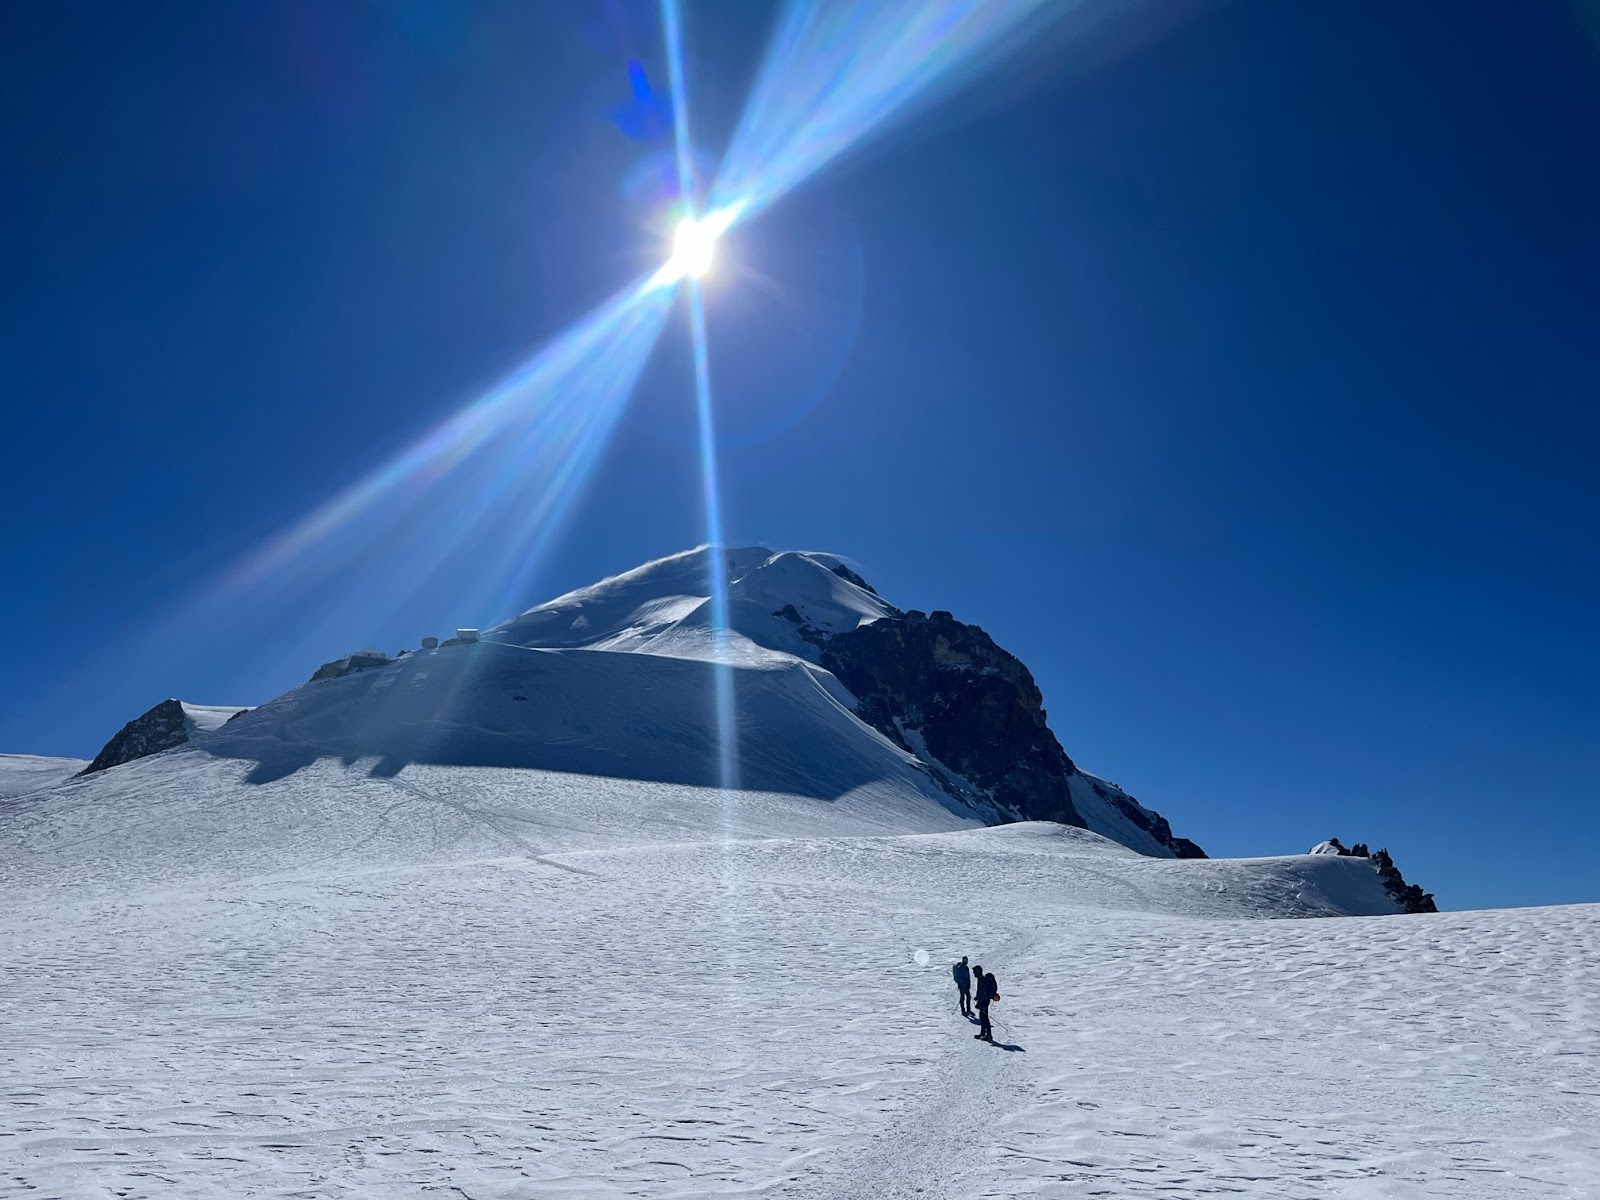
[1151, 822]
[1409, 897]
[360, 660]
[845, 573]
[161, 728]
[170, 723]
[944, 691]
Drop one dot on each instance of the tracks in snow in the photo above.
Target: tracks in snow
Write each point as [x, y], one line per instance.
[939, 1146]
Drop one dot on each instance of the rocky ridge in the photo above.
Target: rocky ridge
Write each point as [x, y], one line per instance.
[945, 691]
[1409, 897]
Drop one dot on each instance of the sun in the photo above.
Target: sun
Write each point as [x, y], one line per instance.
[694, 243]
[693, 246]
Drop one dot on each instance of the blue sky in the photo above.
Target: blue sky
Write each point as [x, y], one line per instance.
[1238, 375]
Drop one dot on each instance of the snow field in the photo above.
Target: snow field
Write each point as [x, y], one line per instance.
[24, 773]
[1449, 1055]
[488, 984]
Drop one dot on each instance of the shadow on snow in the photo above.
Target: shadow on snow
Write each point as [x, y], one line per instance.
[585, 712]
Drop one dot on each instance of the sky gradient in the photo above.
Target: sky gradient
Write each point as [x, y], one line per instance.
[1238, 374]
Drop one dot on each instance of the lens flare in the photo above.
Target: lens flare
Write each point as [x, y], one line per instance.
[465, 515]
[692, 248]
[445, 533]
[694, 244]
[839, 72]
[523, 434]
[708, 229]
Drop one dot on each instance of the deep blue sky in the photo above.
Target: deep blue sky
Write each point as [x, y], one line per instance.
[1239, 377]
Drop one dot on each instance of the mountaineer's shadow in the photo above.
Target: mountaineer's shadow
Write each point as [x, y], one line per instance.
[1014, 1048]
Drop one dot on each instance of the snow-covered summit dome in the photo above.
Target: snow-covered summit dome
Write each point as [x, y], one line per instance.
[665, 606]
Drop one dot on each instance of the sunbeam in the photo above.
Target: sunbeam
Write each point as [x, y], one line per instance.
[838, 72]
[464, 515]
[531, 440]
[707, 229]
[716, 561]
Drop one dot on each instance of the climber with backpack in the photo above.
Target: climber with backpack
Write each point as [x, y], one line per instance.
[963, 979]
[988, 993]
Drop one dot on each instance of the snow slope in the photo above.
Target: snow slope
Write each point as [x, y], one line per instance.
[507, 981]
[203, 718]
[24, 773]
[634, 716]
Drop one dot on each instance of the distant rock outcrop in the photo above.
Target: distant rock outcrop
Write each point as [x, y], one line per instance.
[944, 691]
[1408, 896]
[358, 660]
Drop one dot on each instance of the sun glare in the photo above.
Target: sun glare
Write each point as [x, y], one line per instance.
[692, 247]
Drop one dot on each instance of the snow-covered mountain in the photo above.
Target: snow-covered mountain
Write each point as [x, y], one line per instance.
[836, 693]
[968, 714]
[481, 921]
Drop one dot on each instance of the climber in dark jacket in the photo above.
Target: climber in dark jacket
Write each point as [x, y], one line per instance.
[988, 993]
[963, 979]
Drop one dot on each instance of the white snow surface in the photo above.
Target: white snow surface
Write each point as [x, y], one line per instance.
[203, 718]
[663, 607]
[24, 773]
[511, 982]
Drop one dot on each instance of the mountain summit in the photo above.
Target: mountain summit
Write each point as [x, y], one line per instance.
[939, 690]
[900, 720]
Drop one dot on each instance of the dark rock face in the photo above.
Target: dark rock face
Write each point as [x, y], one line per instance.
[1152, 823]
[974, 708]
[849, 576]
[946, 692]
[162, 728]
[1408, 896]
[361, 660]
[815, 636]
